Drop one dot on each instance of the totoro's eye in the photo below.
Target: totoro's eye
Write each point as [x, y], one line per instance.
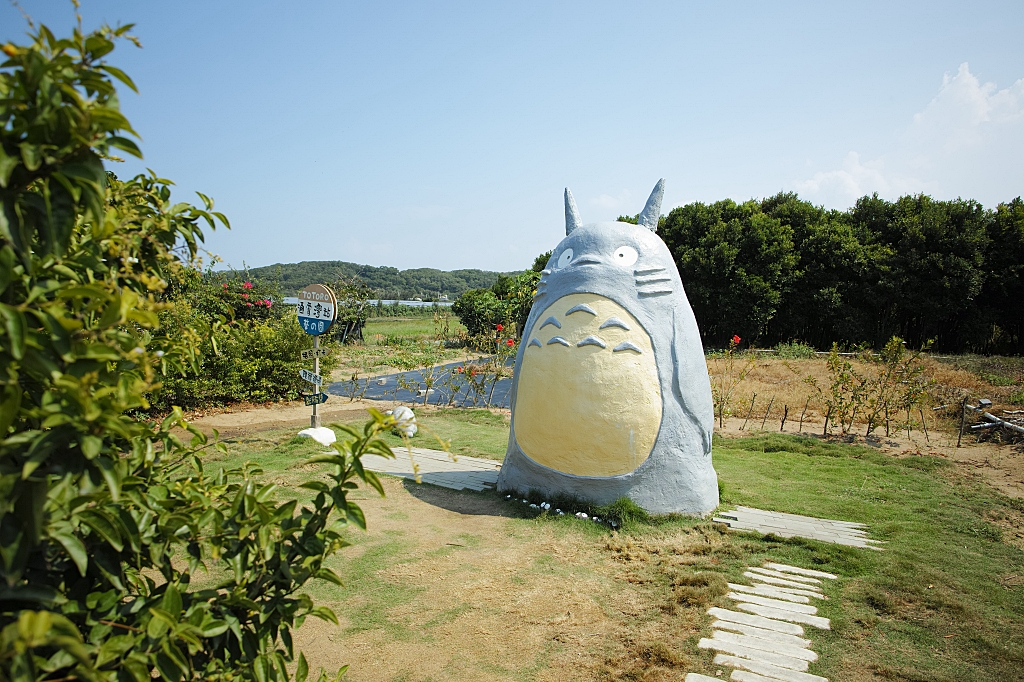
[565, 258]
[624, 256]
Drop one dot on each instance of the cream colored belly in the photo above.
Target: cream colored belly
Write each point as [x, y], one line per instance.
[587, 410]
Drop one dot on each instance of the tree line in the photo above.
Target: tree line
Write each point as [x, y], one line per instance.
[385, 282]
[782, 269]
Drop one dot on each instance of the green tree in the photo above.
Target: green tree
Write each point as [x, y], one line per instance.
[736, 263]
[479, 310]
[1002, 296]
[541, 261]
[104, 518]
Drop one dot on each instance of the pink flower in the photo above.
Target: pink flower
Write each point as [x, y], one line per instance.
[266, 302]
[247, 285]
[245, 295]
[225, 285]
[249, 304]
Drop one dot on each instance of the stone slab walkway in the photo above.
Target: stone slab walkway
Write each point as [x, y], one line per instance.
[764, 640]
[794, 525]
[437, 468]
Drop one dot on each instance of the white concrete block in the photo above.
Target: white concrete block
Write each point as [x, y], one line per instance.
[747, 676]
[809, 592]
[768, 591]
[320, 434]
[765, 645]
[779, 660]
[785, 576]
[772, 671]
[756, 621]
[762, 633]
[774, 603]
[781, 582]
[791, 616]
[697, 677]
[802, 571]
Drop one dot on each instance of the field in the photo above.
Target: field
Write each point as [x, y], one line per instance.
[448, 585]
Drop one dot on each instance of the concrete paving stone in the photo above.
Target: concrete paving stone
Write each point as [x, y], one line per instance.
[781, 614]
[773, 672]
[800, 652]
[759, 655]
[800, 517]
[768, 591]
[747, 676]
[785, 568]
[697, 677]
[782, 582]
[775, 625]
[774, 603]
[762, 633]
[785, 576]
[809, 592]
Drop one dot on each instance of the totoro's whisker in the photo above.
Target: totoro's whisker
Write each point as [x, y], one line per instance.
[550, 320]
[658, 292]
[653, 280]
[534, 342]
[558, 339]
[614, 322]
[545, 272]
[581, 308]
[651, 271]
[626, 345]
[591, 341]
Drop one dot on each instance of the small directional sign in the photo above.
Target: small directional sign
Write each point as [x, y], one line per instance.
[310, 377]
[315, 399]
[315, 353]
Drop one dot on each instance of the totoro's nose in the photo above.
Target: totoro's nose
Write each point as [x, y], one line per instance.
[587, 260]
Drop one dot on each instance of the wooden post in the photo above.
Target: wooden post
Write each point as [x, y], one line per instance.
[963, 418]
[749, 412]
[800, 430]
[924, 426]
[770, 403]
[314, 420]
[785, 413]
[824, 431]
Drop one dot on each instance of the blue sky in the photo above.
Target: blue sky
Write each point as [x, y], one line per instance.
[441, 134]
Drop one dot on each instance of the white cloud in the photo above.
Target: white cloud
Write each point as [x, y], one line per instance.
[966, 142]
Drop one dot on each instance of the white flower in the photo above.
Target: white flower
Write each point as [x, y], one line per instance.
[138, 349]
[159, 353]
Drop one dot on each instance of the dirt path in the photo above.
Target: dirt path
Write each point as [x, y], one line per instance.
[446, 586]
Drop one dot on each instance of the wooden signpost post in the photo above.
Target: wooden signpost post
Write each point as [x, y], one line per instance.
[317, 309]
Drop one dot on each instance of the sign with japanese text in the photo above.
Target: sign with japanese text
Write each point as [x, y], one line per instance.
[310, 377]
[315, 353]
[317, 309]
[315, 399]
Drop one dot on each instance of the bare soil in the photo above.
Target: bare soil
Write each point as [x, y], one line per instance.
[497, 600]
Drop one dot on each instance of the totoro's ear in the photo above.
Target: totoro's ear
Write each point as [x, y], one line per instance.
[652, 211]
[572, 214]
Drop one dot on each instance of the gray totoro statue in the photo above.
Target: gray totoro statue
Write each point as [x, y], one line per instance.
[610, 396]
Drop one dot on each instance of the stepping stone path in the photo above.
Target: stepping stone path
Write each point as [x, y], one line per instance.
[763, 640]
[436, 467]
[794, 525]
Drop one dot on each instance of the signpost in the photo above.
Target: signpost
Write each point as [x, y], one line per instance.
[317, 308]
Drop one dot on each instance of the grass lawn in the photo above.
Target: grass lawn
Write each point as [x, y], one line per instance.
[408, 328]
[943, 601]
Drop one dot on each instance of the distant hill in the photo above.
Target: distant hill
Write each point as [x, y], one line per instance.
[388, 283]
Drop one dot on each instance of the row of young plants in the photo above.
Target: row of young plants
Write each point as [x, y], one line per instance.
[881, 388]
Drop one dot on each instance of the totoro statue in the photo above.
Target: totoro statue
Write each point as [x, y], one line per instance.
[610, 395]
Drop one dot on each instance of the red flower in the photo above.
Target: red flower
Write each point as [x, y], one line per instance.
[266, 302]
[460, 370]
[245, 295]
[225, 285]
[499, 327]
[472, 372]
[247, 285]
[249, 304]
[510, 343]
[736, 339]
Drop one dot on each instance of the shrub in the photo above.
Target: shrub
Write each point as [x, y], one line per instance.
[104, 519]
